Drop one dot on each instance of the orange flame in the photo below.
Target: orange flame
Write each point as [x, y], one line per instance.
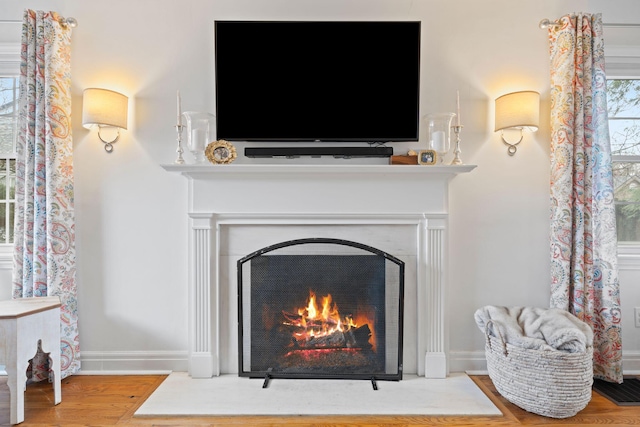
[315, 322]
[321, 321]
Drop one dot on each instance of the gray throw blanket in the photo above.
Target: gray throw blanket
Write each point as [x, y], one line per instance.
[536, 328]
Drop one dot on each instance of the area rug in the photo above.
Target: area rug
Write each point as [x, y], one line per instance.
[625, 394]
[182, 395]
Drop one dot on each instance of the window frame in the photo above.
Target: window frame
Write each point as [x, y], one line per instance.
[622, 61]
[9, 66]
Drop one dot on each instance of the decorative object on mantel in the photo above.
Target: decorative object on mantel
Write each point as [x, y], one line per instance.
[104, 108]
[519, 111]
[179, 127]
[456, 152]
[220, 152]
[457, 128]
[411, 158]
[427, 157]
[198, 132]
[439, 133]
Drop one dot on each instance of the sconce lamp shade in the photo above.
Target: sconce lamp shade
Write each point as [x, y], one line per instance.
[518, 110]
[104, 107]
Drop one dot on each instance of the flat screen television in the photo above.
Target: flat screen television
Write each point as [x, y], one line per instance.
[317, 81]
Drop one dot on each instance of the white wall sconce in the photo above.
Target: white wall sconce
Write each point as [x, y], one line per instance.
[520, 111]
[105, 109]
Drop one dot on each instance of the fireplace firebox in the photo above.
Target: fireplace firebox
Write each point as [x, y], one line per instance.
[320, 308]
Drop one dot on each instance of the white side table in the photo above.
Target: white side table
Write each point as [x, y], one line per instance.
[22, 323]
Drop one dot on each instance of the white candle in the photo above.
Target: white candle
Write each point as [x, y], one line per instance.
[458, 106]
[438, 141]
[179, 109]
[198, 138]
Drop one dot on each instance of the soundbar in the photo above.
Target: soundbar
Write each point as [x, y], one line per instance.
[344, 152]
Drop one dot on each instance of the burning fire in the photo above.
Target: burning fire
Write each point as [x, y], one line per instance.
[322, 322]
[322, 326]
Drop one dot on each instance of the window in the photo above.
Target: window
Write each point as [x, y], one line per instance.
[623, 101]
[8, 128]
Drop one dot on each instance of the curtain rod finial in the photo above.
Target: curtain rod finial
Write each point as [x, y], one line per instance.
[546, 23]
[71, 22]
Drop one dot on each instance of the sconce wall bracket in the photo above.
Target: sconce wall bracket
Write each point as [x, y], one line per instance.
[512, 145]
[108, 145]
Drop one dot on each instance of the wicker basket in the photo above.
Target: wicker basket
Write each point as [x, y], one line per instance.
[552, 383]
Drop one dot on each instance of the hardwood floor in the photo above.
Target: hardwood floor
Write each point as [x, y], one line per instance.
[112, 400]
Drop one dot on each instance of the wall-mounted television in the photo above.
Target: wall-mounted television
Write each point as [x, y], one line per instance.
[317, 81]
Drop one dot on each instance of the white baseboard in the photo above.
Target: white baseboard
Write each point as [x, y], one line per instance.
[467, 361]
[130, 372]
[631, 362]
[132, 362]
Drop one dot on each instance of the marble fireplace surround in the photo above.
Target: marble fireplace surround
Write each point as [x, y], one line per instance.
[236, 209]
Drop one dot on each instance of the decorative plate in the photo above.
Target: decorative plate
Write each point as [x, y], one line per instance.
[220, 152]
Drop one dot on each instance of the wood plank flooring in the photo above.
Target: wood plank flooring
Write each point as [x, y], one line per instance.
[112, 400]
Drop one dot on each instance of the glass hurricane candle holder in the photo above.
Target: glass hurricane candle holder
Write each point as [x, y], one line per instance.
[439, 133]
[198, 133]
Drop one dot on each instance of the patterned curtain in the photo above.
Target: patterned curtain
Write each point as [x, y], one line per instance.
[584, 271]
[44, 251]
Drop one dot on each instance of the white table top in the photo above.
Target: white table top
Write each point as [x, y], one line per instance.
[10, 309]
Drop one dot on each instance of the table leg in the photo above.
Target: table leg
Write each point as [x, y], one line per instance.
[17, 382]
[53, 344]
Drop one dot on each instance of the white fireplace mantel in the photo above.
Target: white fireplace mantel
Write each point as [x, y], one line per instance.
[194, 170]
[327, 197]
[318, 188]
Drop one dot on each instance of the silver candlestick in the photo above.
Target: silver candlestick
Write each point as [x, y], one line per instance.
[456, 158]
[179, 150]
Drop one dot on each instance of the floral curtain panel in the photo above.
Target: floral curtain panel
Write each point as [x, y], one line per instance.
[584, 271]
[44, 251]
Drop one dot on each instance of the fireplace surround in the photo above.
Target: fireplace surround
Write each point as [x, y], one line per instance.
[236, 209]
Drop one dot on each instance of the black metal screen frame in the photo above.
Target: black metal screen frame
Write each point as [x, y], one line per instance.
[274, 374]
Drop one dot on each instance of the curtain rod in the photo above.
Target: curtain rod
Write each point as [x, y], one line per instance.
[546, 23]
[71, 22]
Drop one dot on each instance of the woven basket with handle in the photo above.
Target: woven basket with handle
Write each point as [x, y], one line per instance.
[551, 383]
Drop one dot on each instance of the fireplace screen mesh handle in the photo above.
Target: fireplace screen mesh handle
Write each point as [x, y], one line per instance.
[320, 308]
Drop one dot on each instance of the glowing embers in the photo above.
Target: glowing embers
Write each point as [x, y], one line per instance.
[314, 327]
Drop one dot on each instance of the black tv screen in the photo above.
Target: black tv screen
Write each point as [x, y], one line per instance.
[317, 81]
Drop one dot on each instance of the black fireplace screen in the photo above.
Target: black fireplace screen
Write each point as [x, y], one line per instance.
[320, 308]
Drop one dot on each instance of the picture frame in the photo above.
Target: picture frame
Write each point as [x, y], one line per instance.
[220, 152]
[427, 157]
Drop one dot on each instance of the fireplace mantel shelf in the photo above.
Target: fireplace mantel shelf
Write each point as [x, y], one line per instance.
[208, 170]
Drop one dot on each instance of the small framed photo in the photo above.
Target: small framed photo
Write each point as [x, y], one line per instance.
[220, 152]
[427, 157]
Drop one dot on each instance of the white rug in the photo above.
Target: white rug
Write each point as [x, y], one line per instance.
[180, 394]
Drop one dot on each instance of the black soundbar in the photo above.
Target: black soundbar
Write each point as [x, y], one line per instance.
[291, 152]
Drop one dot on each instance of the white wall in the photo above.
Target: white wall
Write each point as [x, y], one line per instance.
[131, 213]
